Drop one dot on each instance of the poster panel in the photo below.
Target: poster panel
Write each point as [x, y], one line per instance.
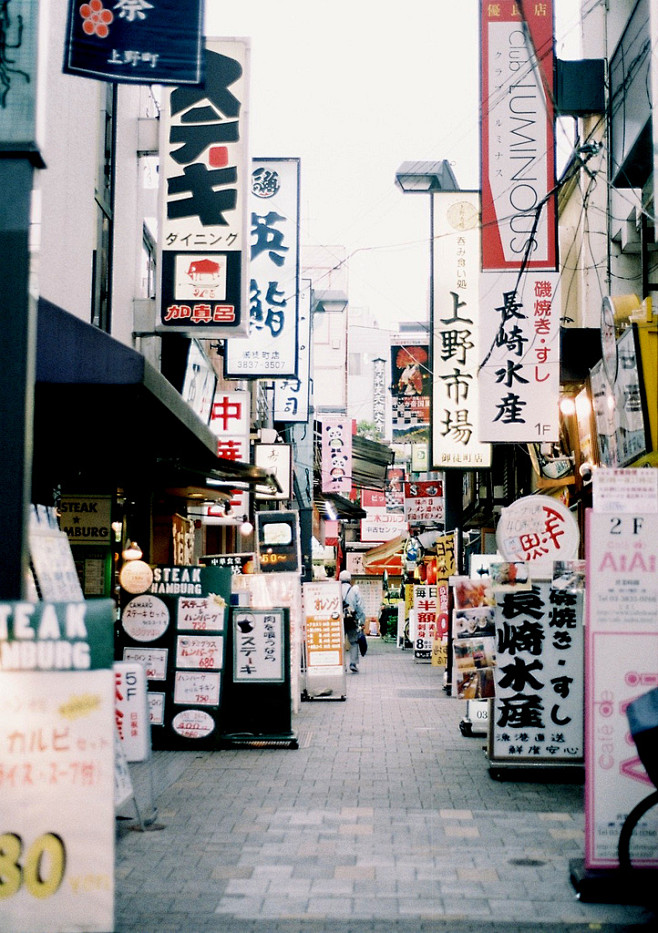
[270, 351]
[519, 372]
[258, 646]
[621, 664]
[410, 388]
[424, 501]
[204, 167]
[518, 148]
[456, 351]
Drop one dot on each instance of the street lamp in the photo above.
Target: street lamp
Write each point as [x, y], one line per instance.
[427, 178]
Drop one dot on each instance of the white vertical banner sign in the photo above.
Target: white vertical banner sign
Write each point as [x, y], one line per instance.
[271, 350]
[538, 708]
[520, 352]
[621, 665]
[292, 396]
[204, 165]
[456, 356]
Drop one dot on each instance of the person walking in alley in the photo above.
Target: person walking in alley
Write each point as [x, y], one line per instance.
[354, 616]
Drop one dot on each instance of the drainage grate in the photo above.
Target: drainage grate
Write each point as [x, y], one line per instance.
[527, 862]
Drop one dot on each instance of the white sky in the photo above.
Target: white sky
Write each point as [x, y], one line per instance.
[354, 88]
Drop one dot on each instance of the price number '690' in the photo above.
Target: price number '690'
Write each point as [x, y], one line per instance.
[39, 868]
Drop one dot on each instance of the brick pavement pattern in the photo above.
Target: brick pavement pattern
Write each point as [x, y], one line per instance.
[385, 820]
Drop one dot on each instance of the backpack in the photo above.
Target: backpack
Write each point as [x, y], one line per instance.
[350, 619]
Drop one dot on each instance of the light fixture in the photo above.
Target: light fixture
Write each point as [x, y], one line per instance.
[330, 511]
[422, 177]
[117, 528]
[567, 406]
[246, 527]
[132, 551]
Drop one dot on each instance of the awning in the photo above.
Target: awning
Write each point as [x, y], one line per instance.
[344, 508]
[102, 409]
[386, 556]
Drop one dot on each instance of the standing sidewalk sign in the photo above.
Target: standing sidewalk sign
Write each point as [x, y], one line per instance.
[257, 693]
[324, 642]
[57, 758]
[176, 628]
[621, 659]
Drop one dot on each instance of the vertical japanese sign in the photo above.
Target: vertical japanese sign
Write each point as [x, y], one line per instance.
[410, 387]
[135, 41]
[258, 646]
[379, 395]
[394, 490]
[271, 349]
[518, 145]
[292, 396]
[538, 709]
[18, 66]
[425, 609]
[230, 419]
[455, 409]
[520, 353]
[337, 455]
[324, 626]
[57, 766]
[204, 167]
[621, 663]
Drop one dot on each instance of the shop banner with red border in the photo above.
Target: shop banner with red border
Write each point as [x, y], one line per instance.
[518, 138]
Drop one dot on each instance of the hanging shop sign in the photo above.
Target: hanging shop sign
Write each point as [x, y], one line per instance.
[520, 357]
[271, 350]
[424, 501]
[204, 166]
[518, 148]
[383, 526]
[276, 459]
[230, 421]
[394, 489]
[57, 762]
[456, 351]
[537, 713]
[86, 519]
[537, 530]
[278, 542]
[292, 396]
[337, 455]
[199, 382]
[621, 664]
[410, 388]
[136, 42]
[177, 630]
[237, 563]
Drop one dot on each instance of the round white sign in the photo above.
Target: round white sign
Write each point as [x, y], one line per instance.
[145, 618]
[537, 528]
[193, 724]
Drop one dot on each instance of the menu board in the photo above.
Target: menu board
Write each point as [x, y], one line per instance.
[177, 629]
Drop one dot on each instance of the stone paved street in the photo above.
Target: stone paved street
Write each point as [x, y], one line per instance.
[385, 820]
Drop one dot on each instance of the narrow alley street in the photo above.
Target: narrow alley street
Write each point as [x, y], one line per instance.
[384, 819]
